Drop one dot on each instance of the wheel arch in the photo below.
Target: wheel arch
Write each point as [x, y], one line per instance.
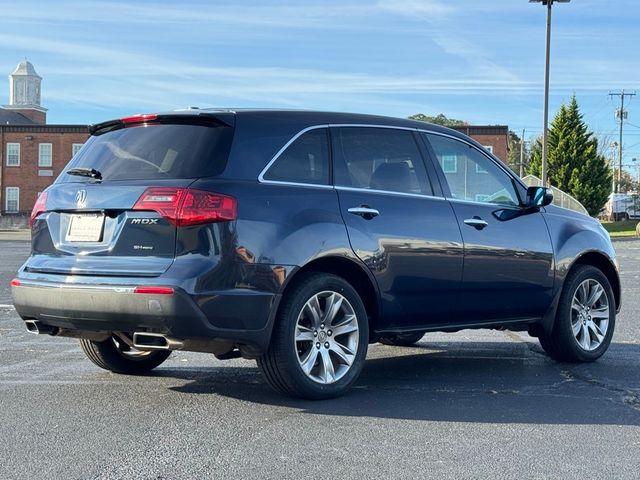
[594, 258]
[351, 271]
[605, 265]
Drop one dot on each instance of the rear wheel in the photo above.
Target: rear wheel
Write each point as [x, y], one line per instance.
[117, 355]
[402, 339]
[585, 319]
[320, 339]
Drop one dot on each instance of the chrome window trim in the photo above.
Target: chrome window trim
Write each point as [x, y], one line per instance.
[388, 192]
[261, 178]
[486, 204]
[296, 184]
[482, 151]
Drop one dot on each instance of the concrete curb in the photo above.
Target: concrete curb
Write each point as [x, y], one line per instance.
[15, 235]
[624, 239]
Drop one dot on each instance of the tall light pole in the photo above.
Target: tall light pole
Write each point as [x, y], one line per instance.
[548, 4]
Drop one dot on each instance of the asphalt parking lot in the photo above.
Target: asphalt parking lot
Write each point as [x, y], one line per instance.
[475, 404]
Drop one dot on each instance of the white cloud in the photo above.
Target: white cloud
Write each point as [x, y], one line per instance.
[428, 9]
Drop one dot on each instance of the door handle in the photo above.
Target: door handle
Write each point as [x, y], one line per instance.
[476, 222]
[364, 211]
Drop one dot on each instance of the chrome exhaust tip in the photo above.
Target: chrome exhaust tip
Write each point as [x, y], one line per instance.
[37, 328]
[155, 341]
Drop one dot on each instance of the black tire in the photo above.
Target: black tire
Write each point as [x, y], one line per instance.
[561, 344]
[402, 339]
[114, 356]
[281, 364]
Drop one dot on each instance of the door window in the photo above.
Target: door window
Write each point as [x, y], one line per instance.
[379, 159]
[306, 160]
[476, 177]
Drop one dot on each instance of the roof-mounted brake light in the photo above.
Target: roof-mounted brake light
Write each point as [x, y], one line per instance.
[148, 117]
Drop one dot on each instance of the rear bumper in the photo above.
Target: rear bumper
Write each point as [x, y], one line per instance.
[243, 316]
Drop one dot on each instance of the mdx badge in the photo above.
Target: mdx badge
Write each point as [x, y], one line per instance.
[144, 221]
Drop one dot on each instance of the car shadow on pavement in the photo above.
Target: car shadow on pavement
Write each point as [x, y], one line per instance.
[491, 382]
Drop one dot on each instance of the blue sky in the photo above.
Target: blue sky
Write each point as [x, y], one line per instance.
[479, 61]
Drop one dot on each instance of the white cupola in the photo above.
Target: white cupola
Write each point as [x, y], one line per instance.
[24, 86]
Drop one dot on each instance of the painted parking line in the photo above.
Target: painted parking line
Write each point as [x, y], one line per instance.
[6, 306]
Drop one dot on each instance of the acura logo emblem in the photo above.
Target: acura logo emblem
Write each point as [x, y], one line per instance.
[81, 198]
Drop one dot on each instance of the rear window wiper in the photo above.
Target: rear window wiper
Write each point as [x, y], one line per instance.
[85, 172]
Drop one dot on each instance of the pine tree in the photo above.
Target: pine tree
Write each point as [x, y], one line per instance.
[513, 152]
[573, 162]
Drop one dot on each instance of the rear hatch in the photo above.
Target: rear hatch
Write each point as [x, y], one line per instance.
[116, 207]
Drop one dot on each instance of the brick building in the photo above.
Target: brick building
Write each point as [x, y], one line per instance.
[494, 138]
[32, 152]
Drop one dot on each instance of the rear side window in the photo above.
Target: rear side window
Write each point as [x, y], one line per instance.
[306, 160]
[379, 159]
[155, 152]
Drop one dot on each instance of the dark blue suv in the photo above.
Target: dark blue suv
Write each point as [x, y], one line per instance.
[297, 239]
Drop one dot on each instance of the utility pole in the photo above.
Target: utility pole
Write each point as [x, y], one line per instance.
[621, 114]
[522, 154]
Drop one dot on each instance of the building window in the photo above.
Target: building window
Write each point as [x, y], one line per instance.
[12, 200]
[13, 154]
[75, 148]
[449, 163]
[45, 155]
[480, 169]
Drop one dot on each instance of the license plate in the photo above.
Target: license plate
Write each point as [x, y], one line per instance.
[85, 228]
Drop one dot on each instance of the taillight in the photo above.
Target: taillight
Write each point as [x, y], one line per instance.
[15, 282]
[39, 207]
[185, 206]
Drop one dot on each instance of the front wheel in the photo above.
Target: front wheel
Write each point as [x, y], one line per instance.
[116, 355]
[319, 341]
[585, 319]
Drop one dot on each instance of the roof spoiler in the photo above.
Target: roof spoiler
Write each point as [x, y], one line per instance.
[205, 119]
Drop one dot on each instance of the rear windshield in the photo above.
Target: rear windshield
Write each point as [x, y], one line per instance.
[154, 152]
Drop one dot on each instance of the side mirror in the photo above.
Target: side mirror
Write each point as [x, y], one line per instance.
[538, 197]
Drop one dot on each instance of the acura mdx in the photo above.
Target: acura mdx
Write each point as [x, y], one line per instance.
[297, 239]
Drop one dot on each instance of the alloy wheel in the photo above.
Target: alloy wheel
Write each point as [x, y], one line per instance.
[326, 337]
[590, 314]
